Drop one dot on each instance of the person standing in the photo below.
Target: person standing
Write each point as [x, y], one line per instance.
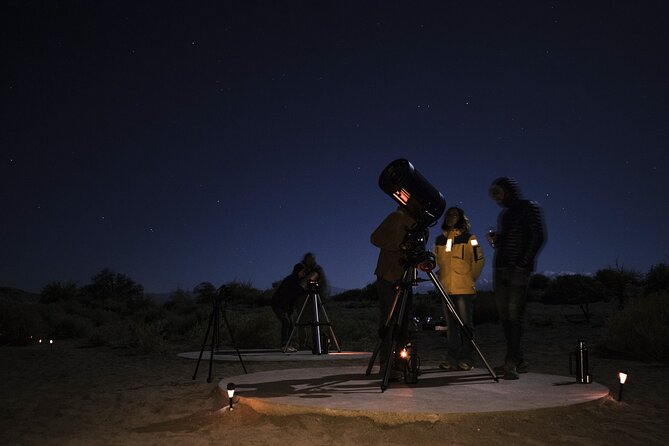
[390, 267]
[519, 237]
[283, 301]
[460, 261]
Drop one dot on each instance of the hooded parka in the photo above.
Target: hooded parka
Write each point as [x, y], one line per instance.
[460, 261]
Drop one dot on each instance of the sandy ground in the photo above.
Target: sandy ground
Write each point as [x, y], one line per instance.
[66, 395]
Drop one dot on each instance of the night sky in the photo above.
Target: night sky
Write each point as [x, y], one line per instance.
[182, 142]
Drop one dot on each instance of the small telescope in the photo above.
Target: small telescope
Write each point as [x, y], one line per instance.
[409, 188]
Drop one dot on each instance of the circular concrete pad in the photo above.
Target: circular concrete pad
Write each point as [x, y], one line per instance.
[274, 355]
[347, 391]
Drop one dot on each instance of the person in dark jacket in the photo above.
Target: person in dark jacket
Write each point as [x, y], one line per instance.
[283, 301]
[519, 237]
[389, 237]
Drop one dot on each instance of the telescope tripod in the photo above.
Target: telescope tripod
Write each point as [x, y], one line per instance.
[314, 301]
[394, 332]
[215, 322]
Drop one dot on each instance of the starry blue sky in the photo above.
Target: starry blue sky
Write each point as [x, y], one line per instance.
[181, 142]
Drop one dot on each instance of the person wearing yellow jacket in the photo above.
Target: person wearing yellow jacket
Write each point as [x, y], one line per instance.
[460, 261]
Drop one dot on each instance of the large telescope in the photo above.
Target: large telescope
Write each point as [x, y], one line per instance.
[409, 188]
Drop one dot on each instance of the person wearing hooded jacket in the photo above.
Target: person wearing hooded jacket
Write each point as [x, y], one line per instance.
[517, 241]
[389, 237]
[460, 261]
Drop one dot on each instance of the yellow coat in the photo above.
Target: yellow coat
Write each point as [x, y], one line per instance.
[460, 261]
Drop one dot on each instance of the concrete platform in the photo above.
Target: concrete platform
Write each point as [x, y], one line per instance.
[346, 391]
[274, 355]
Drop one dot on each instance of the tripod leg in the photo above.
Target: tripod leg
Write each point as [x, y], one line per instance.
[382, 337]
[397, 328]
[316, 327]
[464, 328]
[327, 319]
[214, 340]
[204, 342]
[390, 358]
[232, 338]
[392, 328]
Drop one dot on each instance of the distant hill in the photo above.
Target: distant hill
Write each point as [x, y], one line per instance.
[334, 290]
[15, 295]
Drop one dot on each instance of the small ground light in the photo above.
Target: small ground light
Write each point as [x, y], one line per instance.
[231, 393]
[623, 377]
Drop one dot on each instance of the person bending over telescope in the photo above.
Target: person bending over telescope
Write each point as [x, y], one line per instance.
[290, 291]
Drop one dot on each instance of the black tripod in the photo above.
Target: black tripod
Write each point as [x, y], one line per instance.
[314, 300]
[394, 331]
[214, 321]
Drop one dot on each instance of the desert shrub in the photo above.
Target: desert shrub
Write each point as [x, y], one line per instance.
[641, 329]
[657, 279]
[64, 324]
[70, 326]
[181, 302]
[618, 283]
[485, 308]
[241, 293]
[194, 335]
[115, 292]
[264, 299]
[14, 295]
[575, 289]
[103, 335]
[178, 326]
[537, 287]
[59, 292]
[132, 334]
[253, 329]
[100, 316]
[145, 337]
[355, 330]
[234, 294]
[152, 313]
[19, 323]
[205, 292]
[366, 294]
[356, 304]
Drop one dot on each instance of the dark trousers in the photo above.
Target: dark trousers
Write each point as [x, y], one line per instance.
[459, 346]
[286, 319]
[510, 287]
[307, 316]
